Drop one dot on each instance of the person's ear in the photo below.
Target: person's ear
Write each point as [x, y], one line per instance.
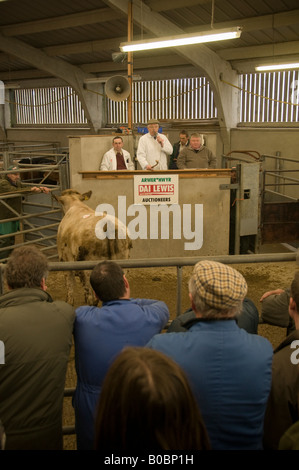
[126, 282]
[127, 287]
[292, 308]
[192, 303]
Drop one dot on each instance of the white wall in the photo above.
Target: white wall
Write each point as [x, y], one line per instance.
[269, 142]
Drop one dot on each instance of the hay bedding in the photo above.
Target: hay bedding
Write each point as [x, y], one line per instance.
[160, 283]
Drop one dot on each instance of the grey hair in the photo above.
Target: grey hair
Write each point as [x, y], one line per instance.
[197, 135]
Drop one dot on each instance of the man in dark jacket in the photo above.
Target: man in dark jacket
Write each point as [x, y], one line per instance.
[177, 147]
[37, 335]
[248, 319]
[282, 409]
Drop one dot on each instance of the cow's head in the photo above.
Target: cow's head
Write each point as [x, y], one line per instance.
[69, 196]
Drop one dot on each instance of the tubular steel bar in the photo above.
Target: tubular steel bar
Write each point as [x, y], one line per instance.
[178, 263]
[168, 262]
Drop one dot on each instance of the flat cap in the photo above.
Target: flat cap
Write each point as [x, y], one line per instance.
[219, 285]
[153, 121]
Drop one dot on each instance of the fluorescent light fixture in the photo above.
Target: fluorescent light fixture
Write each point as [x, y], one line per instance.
[268, 68]
[181, 40]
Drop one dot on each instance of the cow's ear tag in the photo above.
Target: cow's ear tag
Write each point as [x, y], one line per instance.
[85, 198]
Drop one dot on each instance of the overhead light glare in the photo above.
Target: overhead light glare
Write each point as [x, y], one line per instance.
[182, 40]
[268, 68]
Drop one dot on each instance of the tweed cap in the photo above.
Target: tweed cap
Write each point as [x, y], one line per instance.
[153, 121]
[219, 285]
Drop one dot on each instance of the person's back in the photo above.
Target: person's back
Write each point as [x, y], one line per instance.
[228, 368]
[230, 372]
[37, 335]
[101, 333]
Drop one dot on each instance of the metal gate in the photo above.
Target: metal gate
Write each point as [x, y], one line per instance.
[40, 214]
[280, 202]
[265, 201]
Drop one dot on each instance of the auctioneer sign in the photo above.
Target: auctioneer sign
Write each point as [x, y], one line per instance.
[156, 189]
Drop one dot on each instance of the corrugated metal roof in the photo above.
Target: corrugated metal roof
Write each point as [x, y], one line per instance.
[89, 25]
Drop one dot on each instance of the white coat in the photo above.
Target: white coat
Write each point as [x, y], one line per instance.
[109, 163]
[149, 150]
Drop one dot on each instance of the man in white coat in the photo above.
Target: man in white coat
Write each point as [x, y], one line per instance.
[117, 158]
[153, 148]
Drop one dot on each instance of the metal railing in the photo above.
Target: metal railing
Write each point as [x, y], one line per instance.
[38, 224]
[278, 182]
[179, 263]
[281, 176]
[283, 180]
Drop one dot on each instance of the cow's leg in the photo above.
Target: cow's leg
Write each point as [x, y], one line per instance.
[70, 286]
[90, 298]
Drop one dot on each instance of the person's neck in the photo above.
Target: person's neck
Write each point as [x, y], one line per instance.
[126, 296]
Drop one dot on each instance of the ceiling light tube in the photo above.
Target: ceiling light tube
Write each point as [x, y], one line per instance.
[181, 40]
[269, 68]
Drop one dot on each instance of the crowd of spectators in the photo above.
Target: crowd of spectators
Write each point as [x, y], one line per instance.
[207, 381]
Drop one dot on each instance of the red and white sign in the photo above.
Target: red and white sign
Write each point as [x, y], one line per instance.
[156, 189]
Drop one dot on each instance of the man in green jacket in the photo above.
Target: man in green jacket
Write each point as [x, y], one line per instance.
[196, 155]
[36, 333]
[11, 207]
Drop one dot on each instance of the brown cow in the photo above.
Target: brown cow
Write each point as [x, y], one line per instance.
[77, 240]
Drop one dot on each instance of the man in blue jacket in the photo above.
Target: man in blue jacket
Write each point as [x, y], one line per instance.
[228, 368]
[101, 333]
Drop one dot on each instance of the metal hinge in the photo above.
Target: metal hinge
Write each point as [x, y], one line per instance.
[228, 186]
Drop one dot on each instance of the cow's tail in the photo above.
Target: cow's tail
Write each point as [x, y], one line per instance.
[119, 247]
[112, 248]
